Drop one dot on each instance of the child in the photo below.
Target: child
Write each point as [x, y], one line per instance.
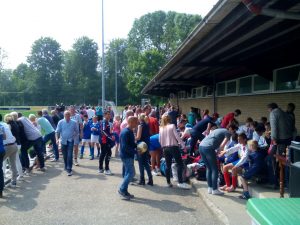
[256, 159]
[258, 136]
[235, 166]
[95, 133]
[247, 128]
[86, 139]
[233, 157]
[116, 132]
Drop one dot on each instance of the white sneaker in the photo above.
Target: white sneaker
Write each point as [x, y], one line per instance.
[154, 173]
[20, 178]
[209, 190]
[175, 179]
[217, 192]
[76, 162]
[12, 185]
[184, 186]
[107, 172]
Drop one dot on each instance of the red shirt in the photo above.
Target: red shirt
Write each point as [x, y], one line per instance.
[227, 119]
[153, 126]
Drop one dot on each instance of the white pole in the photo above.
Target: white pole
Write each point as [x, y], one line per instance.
[116, 77]
[103, 70]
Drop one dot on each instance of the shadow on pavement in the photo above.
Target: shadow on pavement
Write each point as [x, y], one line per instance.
[23, 197]
[163, 205]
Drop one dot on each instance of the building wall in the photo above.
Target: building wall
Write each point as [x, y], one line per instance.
[254, 106]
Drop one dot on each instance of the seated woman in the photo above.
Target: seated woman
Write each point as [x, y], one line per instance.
[256, 160]
[242, 150]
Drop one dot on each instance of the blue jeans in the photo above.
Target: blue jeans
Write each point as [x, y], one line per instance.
[143, 160]
[209, 157]
[51, 137]
[128, 165]
[67, 151]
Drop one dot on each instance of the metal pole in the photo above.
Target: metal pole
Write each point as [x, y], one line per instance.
[103, 70]
[116, 77]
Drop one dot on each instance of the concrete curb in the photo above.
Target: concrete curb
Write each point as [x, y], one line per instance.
[211, 206]
[9, 180]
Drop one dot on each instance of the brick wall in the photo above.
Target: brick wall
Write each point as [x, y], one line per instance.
[254, 105]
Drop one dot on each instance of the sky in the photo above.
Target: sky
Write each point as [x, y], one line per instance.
[24, 21]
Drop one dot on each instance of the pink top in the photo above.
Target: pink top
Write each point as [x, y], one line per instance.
[117, 127]
[123, 124]
[168, 136]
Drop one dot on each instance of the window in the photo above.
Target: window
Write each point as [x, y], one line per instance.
[261, 84]
[210, 91]
[194, 93]
[204, 91]
[181, 94]
[298, 83]
[287, 78]
[245, 86]
[199, 92]
[221, 89]
[231, 87]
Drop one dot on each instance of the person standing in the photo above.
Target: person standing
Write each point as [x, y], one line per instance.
[76, 117]
[49, 132]
[127, 152]
[86, 138]
[173, 115]
[11, 152]
[217, 139]
[170, 141]
[55, 117]
[48, 117]
[143, 135]
[2, 154]
[67, 130]
[106, 143]
[95, 134]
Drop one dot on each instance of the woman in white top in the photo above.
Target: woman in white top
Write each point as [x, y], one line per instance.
[170, 141]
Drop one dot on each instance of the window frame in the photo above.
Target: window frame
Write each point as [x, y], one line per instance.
[274, 87]
[236, 87]
[261, 91]
[217, 85]
[252, 85]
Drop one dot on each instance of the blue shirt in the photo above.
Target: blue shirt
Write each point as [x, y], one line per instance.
[97, 131]
[127, 144]
[2, 132]
[154, 142]
[67, 130]
[87, 130]
[173, 114]
[145, 136]
[201, 126]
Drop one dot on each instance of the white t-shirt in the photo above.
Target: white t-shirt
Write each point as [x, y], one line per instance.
[90, 113]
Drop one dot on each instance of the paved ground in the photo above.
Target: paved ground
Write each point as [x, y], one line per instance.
[91, 198]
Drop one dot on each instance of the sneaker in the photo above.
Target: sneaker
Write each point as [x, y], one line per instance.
[245, 195]
[54, 160]
[217, 192]
[169, 185]
[107, 172]
[81, 156]
[41, 169]
[184, 186]
[91, 157]
[154, 173]
[27, 172]
[130, 195]
[123, 195]
[209, 190]
[20, 178]
[76, 162]
[230, 189]
[175, 179]
[12, 184]
[101, 171]
[223, 188]
[69, 173]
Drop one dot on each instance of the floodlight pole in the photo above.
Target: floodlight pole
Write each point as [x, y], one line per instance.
[116, 77]
[103, 70]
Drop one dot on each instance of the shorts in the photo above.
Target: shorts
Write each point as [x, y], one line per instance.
[117, 138]
[250, 172]
[76, 140]
[244, 166]
[86, 140]
[95, 138]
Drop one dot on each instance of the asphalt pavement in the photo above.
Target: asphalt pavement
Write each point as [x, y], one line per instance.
[90, 198]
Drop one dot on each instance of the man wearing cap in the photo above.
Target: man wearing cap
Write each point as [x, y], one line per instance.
[201, 129]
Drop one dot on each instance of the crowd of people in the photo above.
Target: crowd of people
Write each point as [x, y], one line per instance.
[162, 140]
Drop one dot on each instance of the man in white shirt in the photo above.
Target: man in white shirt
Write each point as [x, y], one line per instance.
[76, 117]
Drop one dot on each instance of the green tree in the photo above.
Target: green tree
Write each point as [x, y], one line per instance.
[151, 41]
[80, 72]
[45, 60]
